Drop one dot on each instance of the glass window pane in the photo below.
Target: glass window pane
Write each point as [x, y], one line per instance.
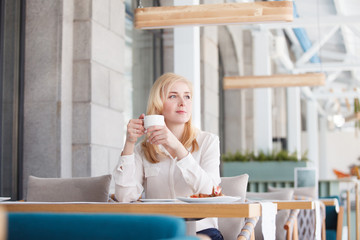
[9, 96]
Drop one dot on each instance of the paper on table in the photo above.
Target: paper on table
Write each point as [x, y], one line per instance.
[82, 203]
[158, 200]
[219, 199]
[268, 217]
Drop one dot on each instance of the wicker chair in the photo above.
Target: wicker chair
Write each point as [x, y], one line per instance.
[291, 226]
[301, 223]
[247, 232]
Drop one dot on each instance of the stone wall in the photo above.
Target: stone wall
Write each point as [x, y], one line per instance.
[74, 87]
[98, 86]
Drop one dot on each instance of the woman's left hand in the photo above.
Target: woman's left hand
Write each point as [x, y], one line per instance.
[162, 135]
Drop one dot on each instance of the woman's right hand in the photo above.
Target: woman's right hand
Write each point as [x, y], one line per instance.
[135, 129]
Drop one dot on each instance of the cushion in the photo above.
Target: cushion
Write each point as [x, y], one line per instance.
[84, 189]
[281, 216]
[97, 226]
[302, 191]
[233, 186]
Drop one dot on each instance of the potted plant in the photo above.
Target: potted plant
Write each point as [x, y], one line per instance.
[275, 166]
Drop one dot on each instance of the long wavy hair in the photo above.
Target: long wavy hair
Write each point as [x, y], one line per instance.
[158, 95]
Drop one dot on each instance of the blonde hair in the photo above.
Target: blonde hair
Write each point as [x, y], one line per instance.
[157, 96]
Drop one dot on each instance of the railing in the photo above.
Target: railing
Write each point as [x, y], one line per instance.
[262, 186]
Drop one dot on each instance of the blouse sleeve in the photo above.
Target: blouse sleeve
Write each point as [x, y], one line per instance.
[128, 177]
[203, 176]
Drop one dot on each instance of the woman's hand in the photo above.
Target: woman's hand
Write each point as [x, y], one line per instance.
[162, 135]
[135, 129]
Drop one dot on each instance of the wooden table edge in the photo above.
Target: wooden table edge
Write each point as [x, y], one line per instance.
[302, 204]
[182, 210]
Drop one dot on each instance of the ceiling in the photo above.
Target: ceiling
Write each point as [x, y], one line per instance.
[335, 35]
[333, 29]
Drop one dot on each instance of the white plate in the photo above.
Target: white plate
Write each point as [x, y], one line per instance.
[4, 198]
[157, 200]
[220, 199]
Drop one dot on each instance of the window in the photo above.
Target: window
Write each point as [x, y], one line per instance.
[11, 92]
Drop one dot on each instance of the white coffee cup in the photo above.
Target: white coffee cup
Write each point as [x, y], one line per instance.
[156, 120]
[153, 120]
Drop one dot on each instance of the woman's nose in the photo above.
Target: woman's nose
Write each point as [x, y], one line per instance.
[181, 102]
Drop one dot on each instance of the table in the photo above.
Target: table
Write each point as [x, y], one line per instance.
[180, 209]
[185, 210]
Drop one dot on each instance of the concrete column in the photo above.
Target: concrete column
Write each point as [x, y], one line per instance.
[294, 121]
[48, 90]
[312, 132]
[187, 59]
[262, 97]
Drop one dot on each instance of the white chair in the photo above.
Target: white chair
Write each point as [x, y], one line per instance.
[81, 189]
[233, 186]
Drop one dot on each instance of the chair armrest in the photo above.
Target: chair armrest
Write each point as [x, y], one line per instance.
[323, 217]
[291, 225]
[292, 218]
[248, 229]
[339, 226]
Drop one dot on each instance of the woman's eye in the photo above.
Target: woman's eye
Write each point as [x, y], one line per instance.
[187, 97]
[172, 96]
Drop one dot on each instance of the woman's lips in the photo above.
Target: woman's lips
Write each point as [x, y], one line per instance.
[181, 112]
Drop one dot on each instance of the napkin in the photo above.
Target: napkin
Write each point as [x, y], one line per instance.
[268, 216]
[317, 221]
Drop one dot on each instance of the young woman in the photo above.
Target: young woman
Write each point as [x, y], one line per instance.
[190, 164]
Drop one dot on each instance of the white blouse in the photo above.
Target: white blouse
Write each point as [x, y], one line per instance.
[198, 172]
